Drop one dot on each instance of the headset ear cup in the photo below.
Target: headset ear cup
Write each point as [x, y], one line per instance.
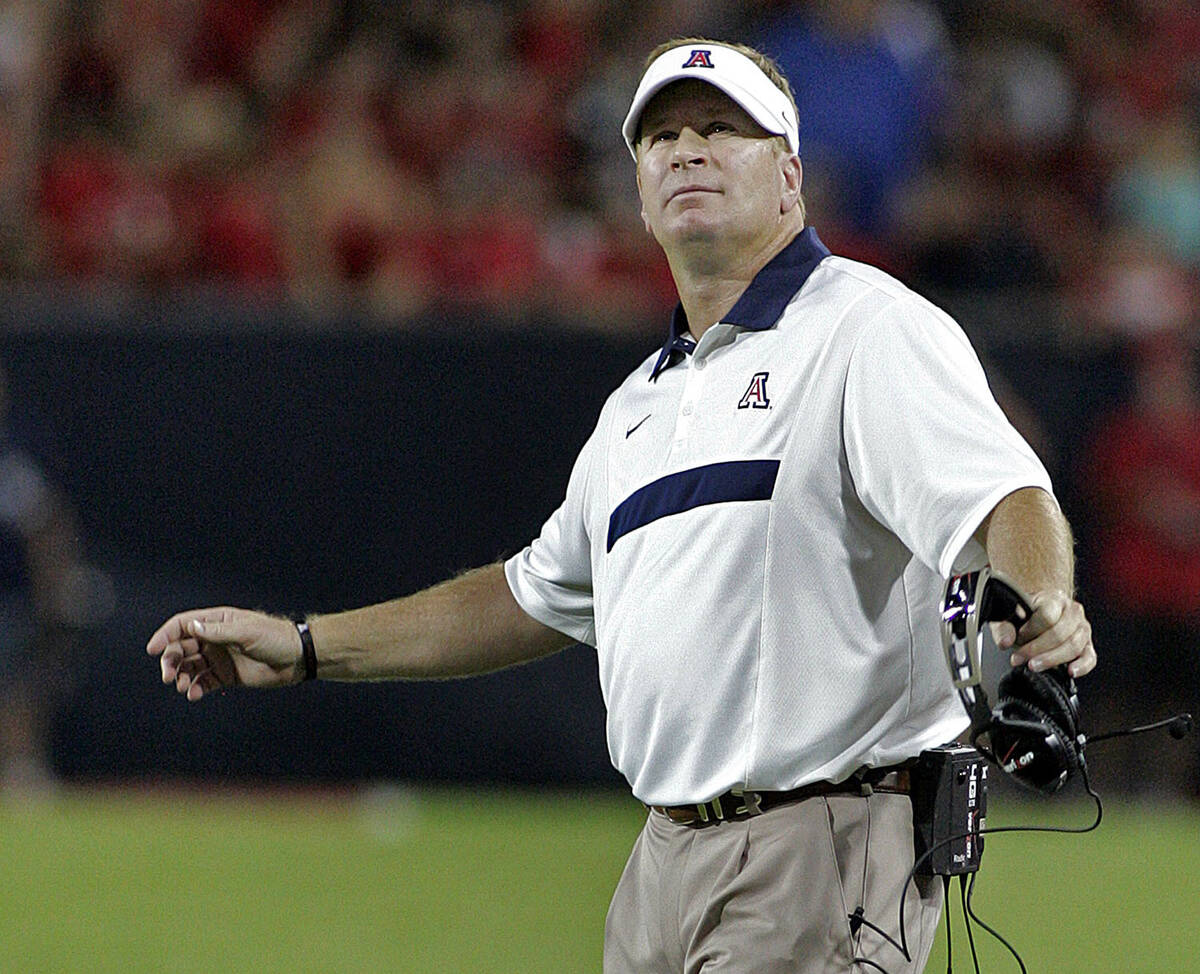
[1032, 746]
[1053, 691]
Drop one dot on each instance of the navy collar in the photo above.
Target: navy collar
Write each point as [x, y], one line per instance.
[761, 303]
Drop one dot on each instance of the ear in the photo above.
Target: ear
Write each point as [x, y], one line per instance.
[645, 219]
[793, 179]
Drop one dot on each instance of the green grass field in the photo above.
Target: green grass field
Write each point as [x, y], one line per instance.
[388, 880]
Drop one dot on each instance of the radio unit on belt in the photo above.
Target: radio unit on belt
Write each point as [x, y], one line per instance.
[949, 797]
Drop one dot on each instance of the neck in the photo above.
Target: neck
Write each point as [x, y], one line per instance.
[709, 287]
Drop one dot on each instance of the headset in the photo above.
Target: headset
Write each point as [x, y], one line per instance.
[1033, 733]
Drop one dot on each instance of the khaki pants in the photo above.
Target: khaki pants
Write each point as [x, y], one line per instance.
[774, 893]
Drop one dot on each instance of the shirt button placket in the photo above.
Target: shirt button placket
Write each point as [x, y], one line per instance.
[687, 406]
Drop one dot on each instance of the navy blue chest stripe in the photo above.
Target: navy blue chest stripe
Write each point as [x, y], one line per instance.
[715, 483]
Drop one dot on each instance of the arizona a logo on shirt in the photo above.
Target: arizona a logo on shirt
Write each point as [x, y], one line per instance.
[755, 396]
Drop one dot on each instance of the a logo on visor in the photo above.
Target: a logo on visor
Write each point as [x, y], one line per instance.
[699, 59]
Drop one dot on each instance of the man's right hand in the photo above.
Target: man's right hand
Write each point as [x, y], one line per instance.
[203, 650]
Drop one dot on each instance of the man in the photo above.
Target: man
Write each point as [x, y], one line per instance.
[754, 539]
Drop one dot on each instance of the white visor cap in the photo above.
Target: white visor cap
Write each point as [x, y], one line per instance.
[731, 71]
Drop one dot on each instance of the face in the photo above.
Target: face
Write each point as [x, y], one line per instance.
[708, 173]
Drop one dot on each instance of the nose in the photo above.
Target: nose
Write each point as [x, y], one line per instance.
[690, 149]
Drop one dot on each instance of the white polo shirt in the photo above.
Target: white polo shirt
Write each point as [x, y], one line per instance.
[755, 535]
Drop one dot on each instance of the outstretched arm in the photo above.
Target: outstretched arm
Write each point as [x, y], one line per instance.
[1028, 539]
[469, 624]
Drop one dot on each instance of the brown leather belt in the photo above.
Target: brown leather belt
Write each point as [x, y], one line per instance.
[737, 805]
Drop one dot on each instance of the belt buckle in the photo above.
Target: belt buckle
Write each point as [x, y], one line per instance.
[718, 811]
[752, 802]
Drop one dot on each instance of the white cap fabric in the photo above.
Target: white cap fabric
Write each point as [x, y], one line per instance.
[731, 71]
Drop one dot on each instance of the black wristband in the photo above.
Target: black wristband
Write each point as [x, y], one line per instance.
[309, 651]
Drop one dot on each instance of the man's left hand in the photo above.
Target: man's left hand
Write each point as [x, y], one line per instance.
[1058, 633]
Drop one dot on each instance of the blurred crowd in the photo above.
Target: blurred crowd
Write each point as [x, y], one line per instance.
[405, 155]
[404, 158]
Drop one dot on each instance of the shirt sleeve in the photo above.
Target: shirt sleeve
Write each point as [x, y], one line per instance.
[552, 578]
[929, 449]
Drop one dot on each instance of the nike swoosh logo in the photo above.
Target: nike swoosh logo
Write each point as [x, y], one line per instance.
[629, 431]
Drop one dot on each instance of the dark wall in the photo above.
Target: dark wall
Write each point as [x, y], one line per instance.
[311, 470]
[251, 459]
